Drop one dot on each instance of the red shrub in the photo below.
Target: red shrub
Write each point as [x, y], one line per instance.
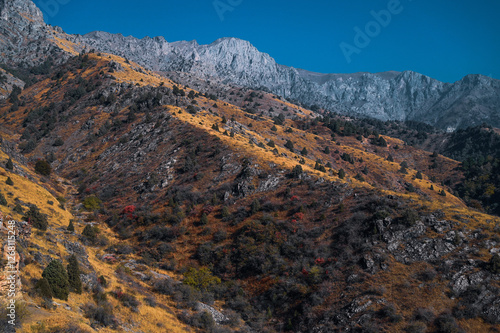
[129, 210]
[298, 216]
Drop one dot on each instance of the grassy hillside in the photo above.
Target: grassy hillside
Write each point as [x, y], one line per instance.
[278, 217]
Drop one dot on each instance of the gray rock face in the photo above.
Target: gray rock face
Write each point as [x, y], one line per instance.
[385, 96]
[24, 36]
[26, 39]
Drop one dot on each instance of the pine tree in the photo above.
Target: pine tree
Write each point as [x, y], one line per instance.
[3, 201]
[204, 219]
[57, 277]
[43, 288]
[9, 165]
[71, 227]
[419, 175]
[225, 212]
[304, 152]
[341, 174]
[255, 207]
[289, 145]
[74, 275]
[9, 181]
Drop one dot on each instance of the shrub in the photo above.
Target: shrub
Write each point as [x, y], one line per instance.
[445, 323]
[289, 145]
[9, 165]
[201, 279]
[43, 288]
[57, 277]
[3, 201]
[92, 203]
[494, 264]
[18, 209]
[91, 232]
[43, 167]
[204, 219]
[36, 218]
[409, 217]
[74, 275]
[417, 327]
[296, 171]
[102, 313]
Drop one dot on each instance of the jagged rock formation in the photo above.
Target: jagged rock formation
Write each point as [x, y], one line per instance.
[24, 36]
[386, 96]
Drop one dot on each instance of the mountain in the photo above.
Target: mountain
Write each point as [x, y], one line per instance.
[385, 96]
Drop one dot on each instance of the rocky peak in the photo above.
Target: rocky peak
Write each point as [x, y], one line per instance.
[19, 11]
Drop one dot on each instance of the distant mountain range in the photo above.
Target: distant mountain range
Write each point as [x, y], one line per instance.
[386, 96]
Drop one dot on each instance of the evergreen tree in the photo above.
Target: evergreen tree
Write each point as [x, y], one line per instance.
[71, 227]
[255, 206]
[36, 218]
[204, 219]
[297, 171]
[91, 232]
[43, 288]
[74, 275]
[9, 165]
[419, 175]
[390, 159]
[341, 174]
[57, 277]
[289, 144]
[274, 128]
[225, 212]
[3, 201]
[304, 152]
[43, 167]
[9, 181]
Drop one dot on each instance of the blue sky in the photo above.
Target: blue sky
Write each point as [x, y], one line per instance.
[443, 39]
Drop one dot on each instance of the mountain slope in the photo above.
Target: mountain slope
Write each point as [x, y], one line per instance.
[192, 187]
[385, 96]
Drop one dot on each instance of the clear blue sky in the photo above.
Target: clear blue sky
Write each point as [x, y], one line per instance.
[443, 39]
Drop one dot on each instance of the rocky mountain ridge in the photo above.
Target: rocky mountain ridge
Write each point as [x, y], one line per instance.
[385, 96]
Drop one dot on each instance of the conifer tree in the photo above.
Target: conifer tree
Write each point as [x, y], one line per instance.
[74, 275]
[57, 277]
[9, 165]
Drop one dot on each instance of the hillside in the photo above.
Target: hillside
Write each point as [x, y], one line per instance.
[177, 202]
[337, 242]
